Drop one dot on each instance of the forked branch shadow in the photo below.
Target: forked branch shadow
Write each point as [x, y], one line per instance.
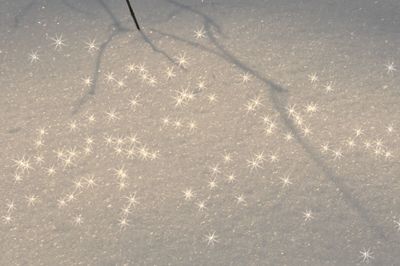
[119, 29]
[95, 74]
[278, 97]
[155, 48]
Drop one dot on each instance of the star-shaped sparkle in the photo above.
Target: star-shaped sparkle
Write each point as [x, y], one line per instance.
[182, 60]
[33, 56]
[188, 194]
[390, 68]
[58, 42]
[91, 46]
[211, 238]
[366, 255]
[200, 33]
[308, 215]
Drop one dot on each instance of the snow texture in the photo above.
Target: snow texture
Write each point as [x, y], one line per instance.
[226, 132]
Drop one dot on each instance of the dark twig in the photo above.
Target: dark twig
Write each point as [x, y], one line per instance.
[133, 14]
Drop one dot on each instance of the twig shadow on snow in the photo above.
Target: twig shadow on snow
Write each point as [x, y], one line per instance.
[278, 97]
[22, 13]
[155, 48]
[92, 90]
[74, 8]
[119, 29]
[205, 17]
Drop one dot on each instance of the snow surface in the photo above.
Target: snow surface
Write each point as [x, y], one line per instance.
[273, 139]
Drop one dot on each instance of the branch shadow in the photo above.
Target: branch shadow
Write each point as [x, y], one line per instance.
[155, 48]
[119, 29]
[206, 18]
[278, 97]
[92, 90]
[172, 14]
[22, 13]
[74, 8]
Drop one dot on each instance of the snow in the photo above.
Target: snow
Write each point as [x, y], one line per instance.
[224, 133]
